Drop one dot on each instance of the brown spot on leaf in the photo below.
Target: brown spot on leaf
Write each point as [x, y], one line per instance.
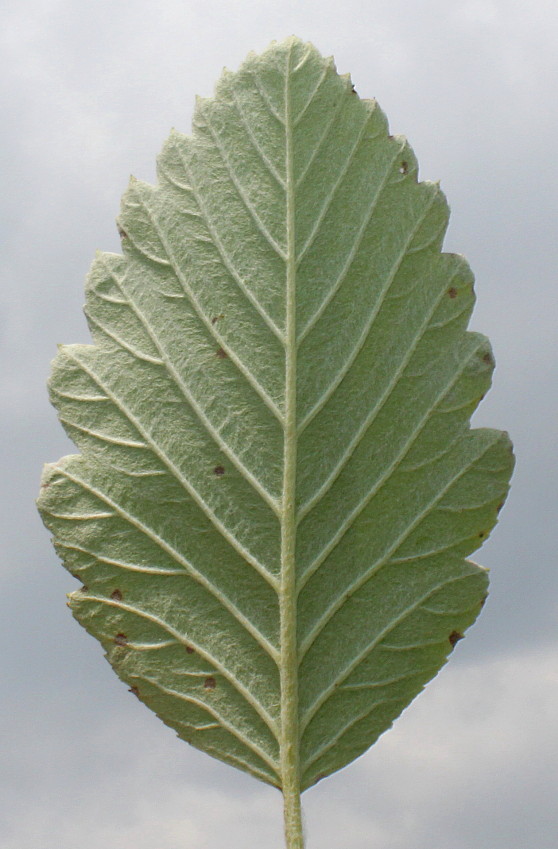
[219, 470]
[122, 233]
[190, 650]
[121, 640]
[454, 637]
[210, 683]
[221, 354]
[452, 292]
[116, 595]
[404, 168]
[482, 534]
[499, 507]
[134, 690]
[486, 358]
[216, 318]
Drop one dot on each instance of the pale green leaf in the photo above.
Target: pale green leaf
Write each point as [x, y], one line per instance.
[278, 484]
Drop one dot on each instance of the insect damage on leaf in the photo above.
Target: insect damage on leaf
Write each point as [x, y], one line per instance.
[282, 619]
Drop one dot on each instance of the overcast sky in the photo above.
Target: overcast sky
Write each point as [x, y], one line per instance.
[90, 91]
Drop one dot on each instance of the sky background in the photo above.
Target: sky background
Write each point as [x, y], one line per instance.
[89, 92]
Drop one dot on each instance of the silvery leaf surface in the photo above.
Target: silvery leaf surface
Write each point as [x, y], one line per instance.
[278, 484]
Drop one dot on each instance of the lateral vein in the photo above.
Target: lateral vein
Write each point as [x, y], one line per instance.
[249, 377]
[344, 674]
[375, 567]
[197, 409]
[176, 556]
[203, 653]
[381, 481]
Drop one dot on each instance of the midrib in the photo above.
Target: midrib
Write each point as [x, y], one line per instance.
[290, 766]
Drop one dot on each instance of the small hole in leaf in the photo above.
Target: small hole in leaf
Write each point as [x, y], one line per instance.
[353, 90]
[116, 595]
[121, 640]
[210, 683]
[403, 168]
[221, 354]
[454, 637]
[452, 292]
[122, 233]
[219, 470]
[190, 650]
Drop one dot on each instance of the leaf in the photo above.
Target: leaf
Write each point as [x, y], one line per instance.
[278, 485]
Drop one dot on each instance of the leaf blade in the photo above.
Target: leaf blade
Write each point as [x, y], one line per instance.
[274, 426]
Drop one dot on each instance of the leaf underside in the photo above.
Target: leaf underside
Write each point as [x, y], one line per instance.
[175, 514]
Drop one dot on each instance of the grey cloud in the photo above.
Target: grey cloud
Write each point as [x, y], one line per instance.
[90, 91]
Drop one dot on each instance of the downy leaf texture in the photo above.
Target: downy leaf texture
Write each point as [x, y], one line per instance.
[278, 485]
